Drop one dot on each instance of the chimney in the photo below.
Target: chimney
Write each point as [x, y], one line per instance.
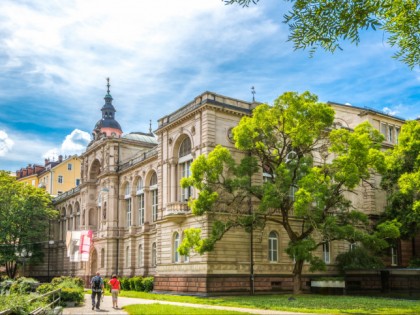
[46, 161]
[60, 158]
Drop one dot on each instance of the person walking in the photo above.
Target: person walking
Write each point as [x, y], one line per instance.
[115, 289]
[97, 285]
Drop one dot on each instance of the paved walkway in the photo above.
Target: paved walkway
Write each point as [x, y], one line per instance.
[106, 307]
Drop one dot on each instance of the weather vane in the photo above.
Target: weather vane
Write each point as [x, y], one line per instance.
[253, 93]
[150, 126]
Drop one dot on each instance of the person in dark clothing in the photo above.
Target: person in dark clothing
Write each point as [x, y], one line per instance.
[97, 285]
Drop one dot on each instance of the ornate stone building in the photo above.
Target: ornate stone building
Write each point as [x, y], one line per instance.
[131, 199]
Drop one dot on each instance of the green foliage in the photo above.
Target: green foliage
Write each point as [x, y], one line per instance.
[24, 285]
[107, 286]
[45, 288]
[125, 283]
[325, 24]
[19, 304]
[72, 295]
[136, 283]
[147, 284]
[402, 180]
[301, 151]
[358, 259]
[67, 282]
[414, 262]
[24, 214]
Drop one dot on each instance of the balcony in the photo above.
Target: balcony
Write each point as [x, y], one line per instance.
[176, 211]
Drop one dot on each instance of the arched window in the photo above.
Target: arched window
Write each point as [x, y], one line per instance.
[273, 247]
[103, 258]
[140, 199]
[154, 195]
[175, 248]
[140, 257]
[127, 198]
[185, 160]
[154, 255]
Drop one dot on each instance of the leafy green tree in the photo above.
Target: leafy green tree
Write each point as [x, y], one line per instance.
[402, 180]
[24, 215]
[310, 167]
[315, 23]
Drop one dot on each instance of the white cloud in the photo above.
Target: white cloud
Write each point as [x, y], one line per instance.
[6, 143]
[74, 143]
[389, 111]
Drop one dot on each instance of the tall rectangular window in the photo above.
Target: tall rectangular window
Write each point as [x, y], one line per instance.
[186, 172]
[141, 208]
[326, 252]
[128, 208]
[69, 166]
[155, 204]
[272, 247]
[394, 256]
[77, 182]
[60, 179]
[390, 137]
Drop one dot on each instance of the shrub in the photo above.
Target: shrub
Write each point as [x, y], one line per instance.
[106, 284]
[72, 295]
[147, 284]
[17, 303]
[5, 287]
[414, 262]
[24, 285]
[125, 284]
[72, 282]
[136, 283]
[45, 288]
[358, 259]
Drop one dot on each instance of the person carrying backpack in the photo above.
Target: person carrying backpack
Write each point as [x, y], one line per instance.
[115, 289]
[97, 285]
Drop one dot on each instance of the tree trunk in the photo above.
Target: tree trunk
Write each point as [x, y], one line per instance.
[11, 267]
[297, 277]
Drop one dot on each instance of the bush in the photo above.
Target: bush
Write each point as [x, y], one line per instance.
[24, 285]
[72, 295]
[147, 284]
[17, 303]
[414, 262]
[5, 287]
[71, 282]
[358, 259]
[125, 284]
[136, 283]
[107, 285]
[45, 288]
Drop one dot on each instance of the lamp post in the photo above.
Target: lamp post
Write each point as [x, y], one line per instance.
[23, 255]
[50, 242]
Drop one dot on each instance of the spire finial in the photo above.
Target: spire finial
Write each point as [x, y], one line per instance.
[108, 85]
[253, 93]
[150, 126]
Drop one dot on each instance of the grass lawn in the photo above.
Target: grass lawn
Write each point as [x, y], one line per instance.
[310, 303]
[140, 309]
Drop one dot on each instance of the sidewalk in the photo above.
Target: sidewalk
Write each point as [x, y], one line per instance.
[106, 307]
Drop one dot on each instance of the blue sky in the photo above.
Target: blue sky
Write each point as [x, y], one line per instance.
[159, 55]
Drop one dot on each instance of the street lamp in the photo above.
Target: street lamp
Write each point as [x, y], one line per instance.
[50, 242]
[23, 255]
